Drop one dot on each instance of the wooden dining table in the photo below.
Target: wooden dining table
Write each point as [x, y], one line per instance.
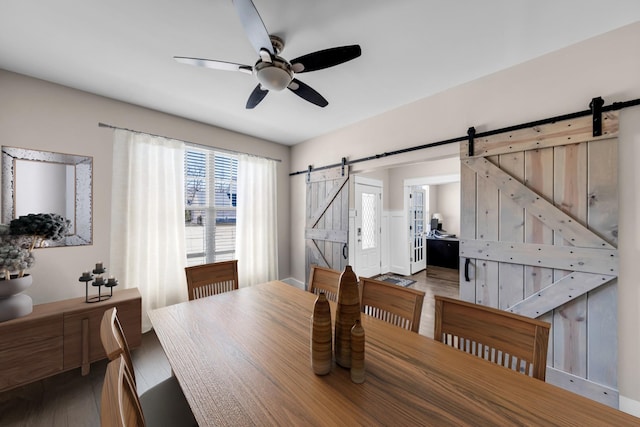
[243, 358]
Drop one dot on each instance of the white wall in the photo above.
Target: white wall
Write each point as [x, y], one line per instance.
[554, 84]
[44, 116]
[629, 253]
[398, 248]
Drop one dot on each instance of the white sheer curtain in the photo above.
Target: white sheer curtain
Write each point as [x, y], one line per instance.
[257, 234]
[147, 219]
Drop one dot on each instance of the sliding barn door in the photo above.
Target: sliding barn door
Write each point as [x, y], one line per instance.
[539, 231]
[327, 219]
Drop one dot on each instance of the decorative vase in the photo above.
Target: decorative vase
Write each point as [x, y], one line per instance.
[347, 312]
[321, 336]
[357, 353]
[13, 304]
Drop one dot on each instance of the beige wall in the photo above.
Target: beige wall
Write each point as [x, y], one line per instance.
[430, 171]
[380, 175]
[43, 116]
[448, 204]
[558, 83]
[393, 178]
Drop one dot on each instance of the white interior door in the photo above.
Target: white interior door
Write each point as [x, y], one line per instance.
[368, 223]
[417, 229]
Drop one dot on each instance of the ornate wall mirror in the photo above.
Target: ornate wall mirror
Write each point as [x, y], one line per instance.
[45, 182]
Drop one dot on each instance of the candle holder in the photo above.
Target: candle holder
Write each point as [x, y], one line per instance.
[88, 277]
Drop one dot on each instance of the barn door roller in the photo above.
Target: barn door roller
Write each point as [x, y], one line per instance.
[596, 112]
[471, 133]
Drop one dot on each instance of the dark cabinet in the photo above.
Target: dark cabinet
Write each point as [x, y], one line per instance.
[443, 252]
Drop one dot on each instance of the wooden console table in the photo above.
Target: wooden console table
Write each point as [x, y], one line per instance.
[62, 335]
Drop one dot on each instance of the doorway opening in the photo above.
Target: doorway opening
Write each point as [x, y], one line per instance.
[404, 221]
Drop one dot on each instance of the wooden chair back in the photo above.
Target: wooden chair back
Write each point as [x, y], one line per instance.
[164, 403]
[212, 279]
[114, 340]
[324, 279]
[392, 303]
[120, 404]
[508, 339]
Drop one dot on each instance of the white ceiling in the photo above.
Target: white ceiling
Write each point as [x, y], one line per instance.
[411, 49]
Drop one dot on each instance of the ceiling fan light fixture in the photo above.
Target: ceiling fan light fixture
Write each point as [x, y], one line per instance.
[274, 76]
[272, 71]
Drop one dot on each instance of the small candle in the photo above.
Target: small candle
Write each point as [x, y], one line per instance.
[111, 281]
[86, 274]
[99, 265]
[99, 280]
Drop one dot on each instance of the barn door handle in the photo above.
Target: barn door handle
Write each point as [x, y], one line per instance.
[345, 251]
[467, 261]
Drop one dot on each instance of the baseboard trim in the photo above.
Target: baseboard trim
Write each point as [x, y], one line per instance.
[294, 282]
[630, 406]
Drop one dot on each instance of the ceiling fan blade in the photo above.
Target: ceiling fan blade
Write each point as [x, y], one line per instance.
[325, 58]
[253, 25]
[256, 96]
[217, 65]
[305, 92]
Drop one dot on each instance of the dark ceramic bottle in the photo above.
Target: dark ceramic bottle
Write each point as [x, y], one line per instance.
[321, 336]
[357, 353]
[347, 312]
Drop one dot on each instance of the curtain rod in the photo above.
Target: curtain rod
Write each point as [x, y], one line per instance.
[104, 125]
[614, 106]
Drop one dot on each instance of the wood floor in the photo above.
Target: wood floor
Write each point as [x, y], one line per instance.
[438, 282]
[69, 399]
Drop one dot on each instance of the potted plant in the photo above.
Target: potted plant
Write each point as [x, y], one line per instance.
[18, 239]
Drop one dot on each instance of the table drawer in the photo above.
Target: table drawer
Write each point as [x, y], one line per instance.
[30, 331]
[30, 362]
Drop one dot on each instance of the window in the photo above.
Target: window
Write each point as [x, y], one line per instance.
[210, 205]
[369, 217]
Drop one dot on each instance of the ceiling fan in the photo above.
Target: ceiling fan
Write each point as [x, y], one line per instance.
[272, 71]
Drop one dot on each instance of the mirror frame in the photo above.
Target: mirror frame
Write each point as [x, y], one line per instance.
[83, 190]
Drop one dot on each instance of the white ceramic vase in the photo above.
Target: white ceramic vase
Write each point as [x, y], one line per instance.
[13, 303]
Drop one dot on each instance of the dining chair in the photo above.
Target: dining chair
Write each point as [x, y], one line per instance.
[212, 279]
[392, 303]
[324, 279]
[119, 403]
[511, 340]
[163, 404]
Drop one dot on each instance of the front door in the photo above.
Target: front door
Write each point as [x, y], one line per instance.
[368, 219]
[539, 231]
